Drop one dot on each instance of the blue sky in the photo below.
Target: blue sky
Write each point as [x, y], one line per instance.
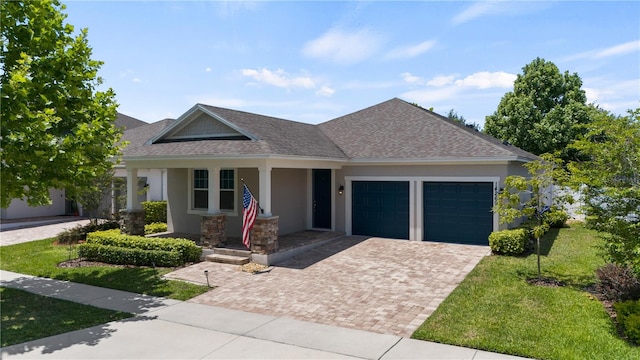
[315, 61]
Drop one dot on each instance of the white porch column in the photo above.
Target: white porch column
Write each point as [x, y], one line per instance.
[214, 190]
[132, 190]
[265, 190]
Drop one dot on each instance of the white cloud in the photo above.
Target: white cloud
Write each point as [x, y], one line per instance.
[325, 91]
[136, 80]
[410, 78]
[613, 95]
[501, 7]
[446, 89]
[620, 49]
[615, 50]
[476, 10]
[487, 80]
[279, 78]
[344, 48]
[208, 69]
[411, 51]
[441, 80]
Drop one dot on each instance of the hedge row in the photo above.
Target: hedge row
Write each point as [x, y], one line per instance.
[514, 241]
[129, 256]
[186, 249]
[155, 211]
[155, 228]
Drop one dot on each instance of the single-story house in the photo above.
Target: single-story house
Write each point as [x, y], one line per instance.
[393, 170]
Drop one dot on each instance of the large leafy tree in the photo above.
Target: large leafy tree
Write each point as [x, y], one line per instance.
[609, 181]
[57, 129]
[543, 113]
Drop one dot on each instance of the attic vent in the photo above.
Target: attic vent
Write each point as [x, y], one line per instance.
[203, 127]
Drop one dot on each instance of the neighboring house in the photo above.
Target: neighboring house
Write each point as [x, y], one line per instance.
[392, 170]
[60, 205]
[151, 182]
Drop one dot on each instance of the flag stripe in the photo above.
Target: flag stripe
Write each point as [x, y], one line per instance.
[250, 210]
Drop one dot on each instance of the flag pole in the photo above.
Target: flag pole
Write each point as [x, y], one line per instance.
[259, 207]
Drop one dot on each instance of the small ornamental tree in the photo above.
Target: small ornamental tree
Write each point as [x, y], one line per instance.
[530, 197]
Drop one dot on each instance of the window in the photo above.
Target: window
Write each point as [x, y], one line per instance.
[201, 189]
[200, 193]
[227, 190]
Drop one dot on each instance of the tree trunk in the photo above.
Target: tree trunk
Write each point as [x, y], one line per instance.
[539, 272]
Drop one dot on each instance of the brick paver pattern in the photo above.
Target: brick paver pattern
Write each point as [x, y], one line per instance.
[379, 285]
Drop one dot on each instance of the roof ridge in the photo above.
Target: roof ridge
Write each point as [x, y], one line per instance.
[497, 143]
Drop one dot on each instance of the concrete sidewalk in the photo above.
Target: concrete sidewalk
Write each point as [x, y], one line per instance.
[171, 329]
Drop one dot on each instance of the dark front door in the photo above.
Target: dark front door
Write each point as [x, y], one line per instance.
[322, 198]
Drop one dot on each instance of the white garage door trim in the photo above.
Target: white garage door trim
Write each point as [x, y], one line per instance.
[416, 221]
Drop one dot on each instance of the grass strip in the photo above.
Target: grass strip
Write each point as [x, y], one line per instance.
[496, 309]
[40, 258]
[27, 316]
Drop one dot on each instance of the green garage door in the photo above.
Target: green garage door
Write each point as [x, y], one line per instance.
[458, 212]
[380, 208]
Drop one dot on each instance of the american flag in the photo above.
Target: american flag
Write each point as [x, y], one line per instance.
[249, 213]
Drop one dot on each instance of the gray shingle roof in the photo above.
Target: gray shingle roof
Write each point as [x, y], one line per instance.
[275, 137]
[138, 136]
[392, 130]
[127, 122]
[396, 129]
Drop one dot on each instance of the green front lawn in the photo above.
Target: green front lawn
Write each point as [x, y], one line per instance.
[40, 258]
[495, 309]
[27, 316]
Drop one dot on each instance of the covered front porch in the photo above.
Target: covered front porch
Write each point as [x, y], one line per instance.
[297, 203]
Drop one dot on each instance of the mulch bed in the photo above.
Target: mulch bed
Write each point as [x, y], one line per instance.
[79, 262]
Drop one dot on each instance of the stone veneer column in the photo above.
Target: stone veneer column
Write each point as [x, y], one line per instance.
[264, 235]
[132, 222]
[213, 230]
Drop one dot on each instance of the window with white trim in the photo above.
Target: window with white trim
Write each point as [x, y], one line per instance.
[200, 193]
[227, 190]
[200, 190]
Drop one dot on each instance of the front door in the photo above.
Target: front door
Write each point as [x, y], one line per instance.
[322, 198]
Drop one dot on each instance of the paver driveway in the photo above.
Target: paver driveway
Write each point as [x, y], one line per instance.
[380, 285]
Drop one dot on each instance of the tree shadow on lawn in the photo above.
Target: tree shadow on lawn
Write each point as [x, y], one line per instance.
[139, 280]
[547, 241]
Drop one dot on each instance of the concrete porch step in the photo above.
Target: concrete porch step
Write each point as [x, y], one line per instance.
[228, 259]
[232, 252]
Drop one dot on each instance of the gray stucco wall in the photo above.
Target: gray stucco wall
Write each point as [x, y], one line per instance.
[443, 171]
[178, 220]
[289, 199]
[20, 209]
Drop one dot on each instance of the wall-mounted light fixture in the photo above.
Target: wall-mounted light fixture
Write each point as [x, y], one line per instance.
[341, 190]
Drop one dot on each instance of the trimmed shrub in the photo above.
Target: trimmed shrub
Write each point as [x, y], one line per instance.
[629, 319]
[187, 249]
[79, 233]
[555, 218]
[129, 256]
[155, 228]
[617, 283]
[155, 211]
[509, 242]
